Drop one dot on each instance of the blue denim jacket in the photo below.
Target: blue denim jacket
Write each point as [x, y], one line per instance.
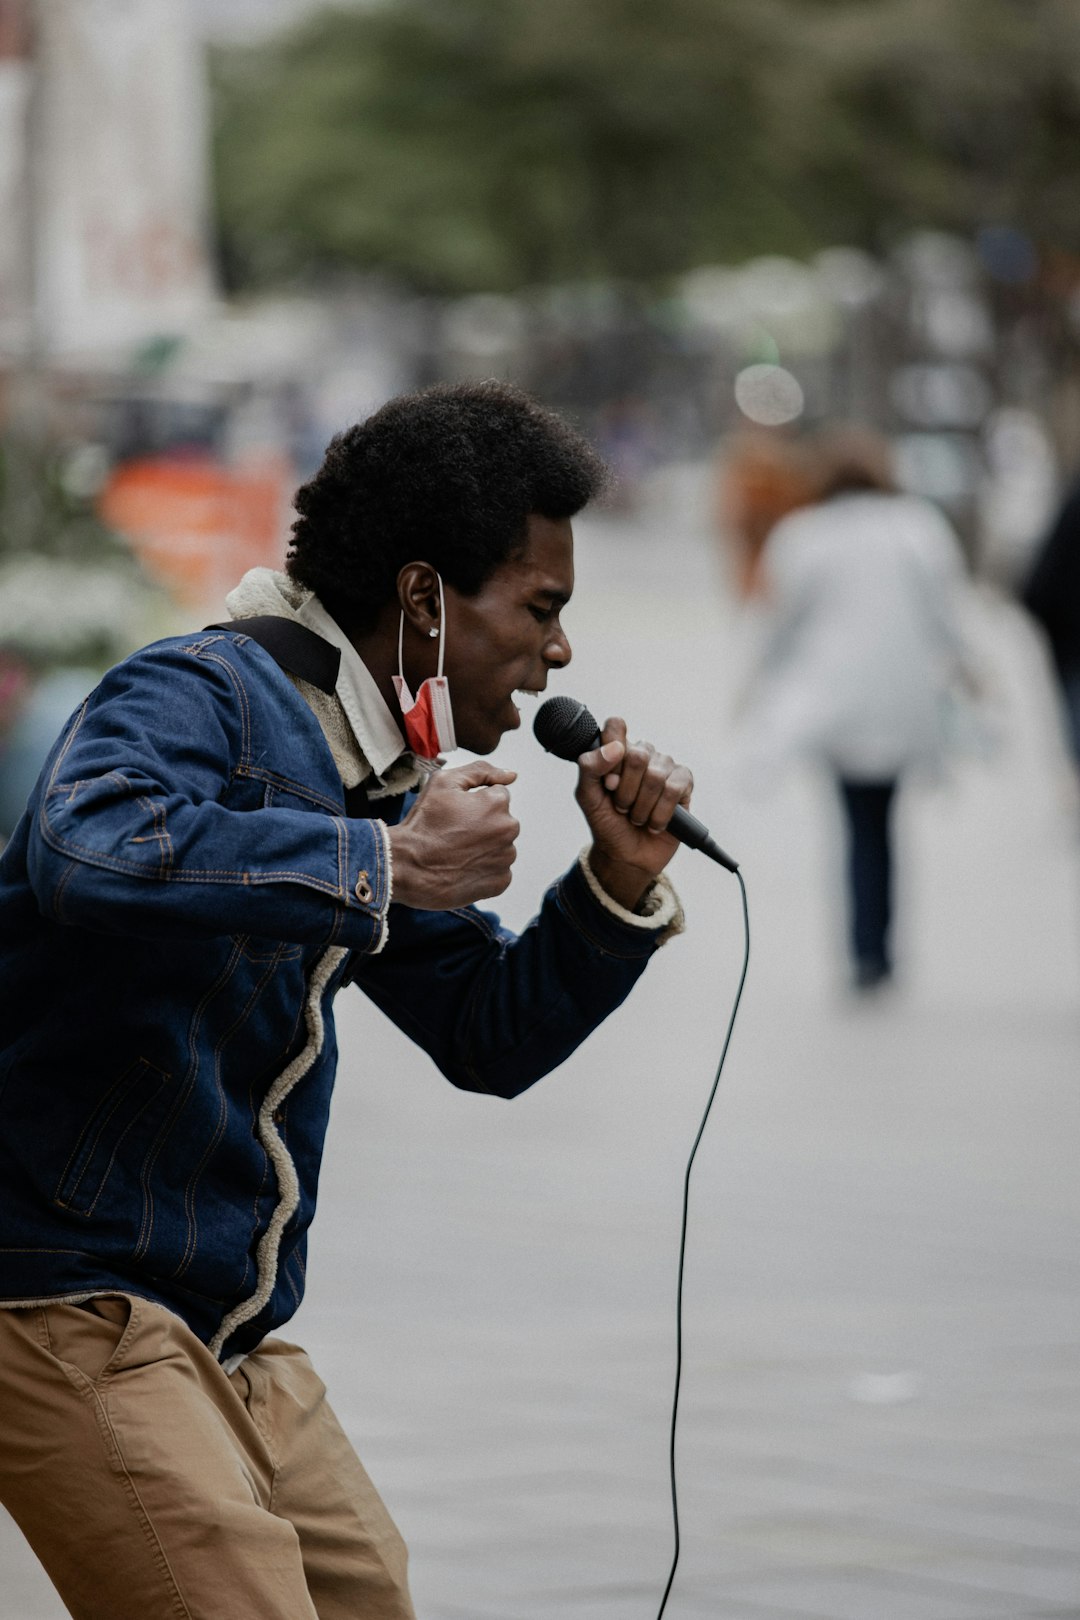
[178, 908]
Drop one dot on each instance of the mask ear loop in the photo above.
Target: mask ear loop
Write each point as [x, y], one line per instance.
[442, 624]
[442, 638]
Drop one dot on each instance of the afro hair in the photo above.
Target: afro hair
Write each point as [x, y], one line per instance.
[449, 475]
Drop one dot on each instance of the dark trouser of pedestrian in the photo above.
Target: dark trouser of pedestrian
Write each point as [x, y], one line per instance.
[867, 807]
[1070, 691]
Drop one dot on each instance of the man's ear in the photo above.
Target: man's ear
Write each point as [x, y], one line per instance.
[418, 593]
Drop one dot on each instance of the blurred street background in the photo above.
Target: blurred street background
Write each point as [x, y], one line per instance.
[703, 231]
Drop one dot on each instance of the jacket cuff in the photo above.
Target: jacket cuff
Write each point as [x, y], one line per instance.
[609, 926]
[659, 909]
[369, 879]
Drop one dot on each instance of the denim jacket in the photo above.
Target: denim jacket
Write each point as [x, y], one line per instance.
[178, 907]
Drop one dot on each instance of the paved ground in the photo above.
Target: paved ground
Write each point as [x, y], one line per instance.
[881, 1398]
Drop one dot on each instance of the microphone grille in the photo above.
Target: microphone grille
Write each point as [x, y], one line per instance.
[565, 727]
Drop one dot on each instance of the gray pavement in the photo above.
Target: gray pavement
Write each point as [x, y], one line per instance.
[881, 1395]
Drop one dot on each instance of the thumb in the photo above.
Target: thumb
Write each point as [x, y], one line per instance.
[478, 773]
[594, 766]
[599, 761]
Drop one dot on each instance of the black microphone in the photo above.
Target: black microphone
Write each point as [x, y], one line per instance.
[566, 728]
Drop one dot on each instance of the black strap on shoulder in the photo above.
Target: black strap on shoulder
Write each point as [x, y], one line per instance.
[296, 648]
[307, 655]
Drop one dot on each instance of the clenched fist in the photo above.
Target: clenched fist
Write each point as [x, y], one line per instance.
[456, 845]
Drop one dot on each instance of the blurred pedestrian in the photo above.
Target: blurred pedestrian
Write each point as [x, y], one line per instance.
[862, 644]
[1051, 594]
[761, 476]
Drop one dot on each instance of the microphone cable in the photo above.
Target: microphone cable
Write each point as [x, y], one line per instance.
[682, 1247]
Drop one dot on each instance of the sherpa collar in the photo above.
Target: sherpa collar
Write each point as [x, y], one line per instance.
[265, 590]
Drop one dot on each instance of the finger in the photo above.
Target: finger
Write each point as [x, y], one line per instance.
[495, 792]
[477, 773]
[639, 757]
[614, 731]
[493, 823]
[598, 761]
[651, 789]
[675, 789]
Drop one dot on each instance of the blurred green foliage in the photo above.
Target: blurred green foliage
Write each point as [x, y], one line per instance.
[71, 591]
[47, 496]
[490, 144]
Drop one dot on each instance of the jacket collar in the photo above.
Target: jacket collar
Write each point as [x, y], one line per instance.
[266, 592]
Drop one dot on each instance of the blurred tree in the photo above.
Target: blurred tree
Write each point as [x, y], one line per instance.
[47, 494]
[494, 143]
[467, 144]
[953, 116]
[71, 591]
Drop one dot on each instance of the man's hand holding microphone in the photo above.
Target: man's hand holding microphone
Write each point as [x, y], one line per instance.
[457, 844]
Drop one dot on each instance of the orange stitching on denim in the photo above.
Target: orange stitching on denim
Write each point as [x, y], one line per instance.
[146, 1226]
[52, 784]
[167, 844]
[164, 1080]
[196, 874]
[161, 837]
[256, 773]
[131, 1075]
[342, 832]
[57, 898]
[73, 1155]
[9, 1249]
[192, 1243]
[245, 708]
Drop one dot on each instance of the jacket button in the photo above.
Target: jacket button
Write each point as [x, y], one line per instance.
[363, 891]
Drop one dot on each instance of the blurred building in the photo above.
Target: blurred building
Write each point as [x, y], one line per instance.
[15, 275]
[104, 174]
[246, 20]
[113, 340]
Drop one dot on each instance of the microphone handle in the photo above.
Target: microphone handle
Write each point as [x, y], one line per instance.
[695, 835]
[688, 829]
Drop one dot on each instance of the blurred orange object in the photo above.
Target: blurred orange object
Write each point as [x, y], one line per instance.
[197, 525]
[760, 478]
[15, 684]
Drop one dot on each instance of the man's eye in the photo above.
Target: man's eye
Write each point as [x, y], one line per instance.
[541, 615]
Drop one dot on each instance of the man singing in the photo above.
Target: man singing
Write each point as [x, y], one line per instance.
[234, 825]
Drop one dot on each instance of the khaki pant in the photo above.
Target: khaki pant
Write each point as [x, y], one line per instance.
[151, 1484]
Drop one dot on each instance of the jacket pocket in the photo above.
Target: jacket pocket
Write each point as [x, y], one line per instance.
[120, 1128]
[265, 950]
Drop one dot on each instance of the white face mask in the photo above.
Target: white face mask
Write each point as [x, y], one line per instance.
[428, 718]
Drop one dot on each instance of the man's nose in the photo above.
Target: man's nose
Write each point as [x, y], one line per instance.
[558, 650]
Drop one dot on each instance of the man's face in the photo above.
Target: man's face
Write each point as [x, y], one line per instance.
[508, 637]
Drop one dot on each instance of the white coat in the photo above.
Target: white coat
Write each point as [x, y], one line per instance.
[862, 639]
